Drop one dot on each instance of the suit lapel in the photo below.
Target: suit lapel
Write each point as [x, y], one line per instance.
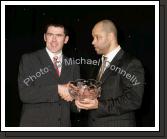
[47, 62]
[114, 62]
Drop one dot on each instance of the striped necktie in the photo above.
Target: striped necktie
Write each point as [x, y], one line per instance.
[102, 68]
[55, 62]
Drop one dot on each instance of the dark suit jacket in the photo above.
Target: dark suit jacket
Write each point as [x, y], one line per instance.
[38, 90]
[122, 91]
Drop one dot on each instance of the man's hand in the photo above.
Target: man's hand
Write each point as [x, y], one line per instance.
[63, 92]
[87, 104]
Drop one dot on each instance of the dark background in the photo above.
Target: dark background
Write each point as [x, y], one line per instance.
[23, 34]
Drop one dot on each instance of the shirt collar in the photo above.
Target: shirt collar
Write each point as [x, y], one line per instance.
[51, 55]
[110, 56]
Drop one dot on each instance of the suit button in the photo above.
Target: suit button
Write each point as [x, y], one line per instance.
[93, 120]
[59, 104]
[59, 119]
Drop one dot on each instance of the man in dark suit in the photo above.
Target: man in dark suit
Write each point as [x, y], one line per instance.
[43, 82]
[122, 77]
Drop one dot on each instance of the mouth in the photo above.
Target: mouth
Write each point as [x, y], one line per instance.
[53, 44]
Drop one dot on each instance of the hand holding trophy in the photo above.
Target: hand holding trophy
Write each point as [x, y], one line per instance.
[85, 93]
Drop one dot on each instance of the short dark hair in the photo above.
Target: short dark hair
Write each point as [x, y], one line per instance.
[55, 24]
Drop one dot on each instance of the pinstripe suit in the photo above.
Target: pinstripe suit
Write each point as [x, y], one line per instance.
[41, 104]
[120, 95]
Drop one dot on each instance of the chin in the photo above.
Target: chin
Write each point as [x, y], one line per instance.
[54, 50]
[98, 52]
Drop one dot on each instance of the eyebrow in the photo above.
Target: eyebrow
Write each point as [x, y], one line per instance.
[55, 34]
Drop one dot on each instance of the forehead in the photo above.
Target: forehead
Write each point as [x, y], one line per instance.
[53, 29]
[98, 30]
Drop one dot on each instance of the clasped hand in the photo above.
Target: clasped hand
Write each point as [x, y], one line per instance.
[64, 93]
[87, 104]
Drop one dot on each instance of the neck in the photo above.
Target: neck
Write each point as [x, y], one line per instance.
[56, 53]
[111, 48]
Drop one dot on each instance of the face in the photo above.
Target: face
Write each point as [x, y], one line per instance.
[55, 38]
[101, 39]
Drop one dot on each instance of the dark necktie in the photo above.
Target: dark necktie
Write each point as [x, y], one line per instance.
[102, 68]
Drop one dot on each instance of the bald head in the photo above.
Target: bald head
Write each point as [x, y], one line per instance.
[107, 26]
[104, 37]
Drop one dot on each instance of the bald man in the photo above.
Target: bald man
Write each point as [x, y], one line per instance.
[122, 77]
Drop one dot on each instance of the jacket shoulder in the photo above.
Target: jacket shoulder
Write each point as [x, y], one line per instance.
[32, 55]
[128, 58]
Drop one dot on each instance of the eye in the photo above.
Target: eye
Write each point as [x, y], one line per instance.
[59, 35]
[98, 37]
[49, 34]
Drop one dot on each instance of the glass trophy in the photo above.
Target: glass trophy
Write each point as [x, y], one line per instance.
[81, 89]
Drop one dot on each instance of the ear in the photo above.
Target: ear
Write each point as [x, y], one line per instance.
[111, 36]
[66, 39]
[44, 36]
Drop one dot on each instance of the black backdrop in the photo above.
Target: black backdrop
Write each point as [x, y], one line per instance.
[23, 34]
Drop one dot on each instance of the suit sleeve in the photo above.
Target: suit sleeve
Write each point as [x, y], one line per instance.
[31, 93]
[132, 93]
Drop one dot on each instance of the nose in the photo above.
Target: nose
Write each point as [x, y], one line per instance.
[54, 38]
[93, 42]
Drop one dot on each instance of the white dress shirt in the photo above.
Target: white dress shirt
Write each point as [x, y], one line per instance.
[110, 56]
